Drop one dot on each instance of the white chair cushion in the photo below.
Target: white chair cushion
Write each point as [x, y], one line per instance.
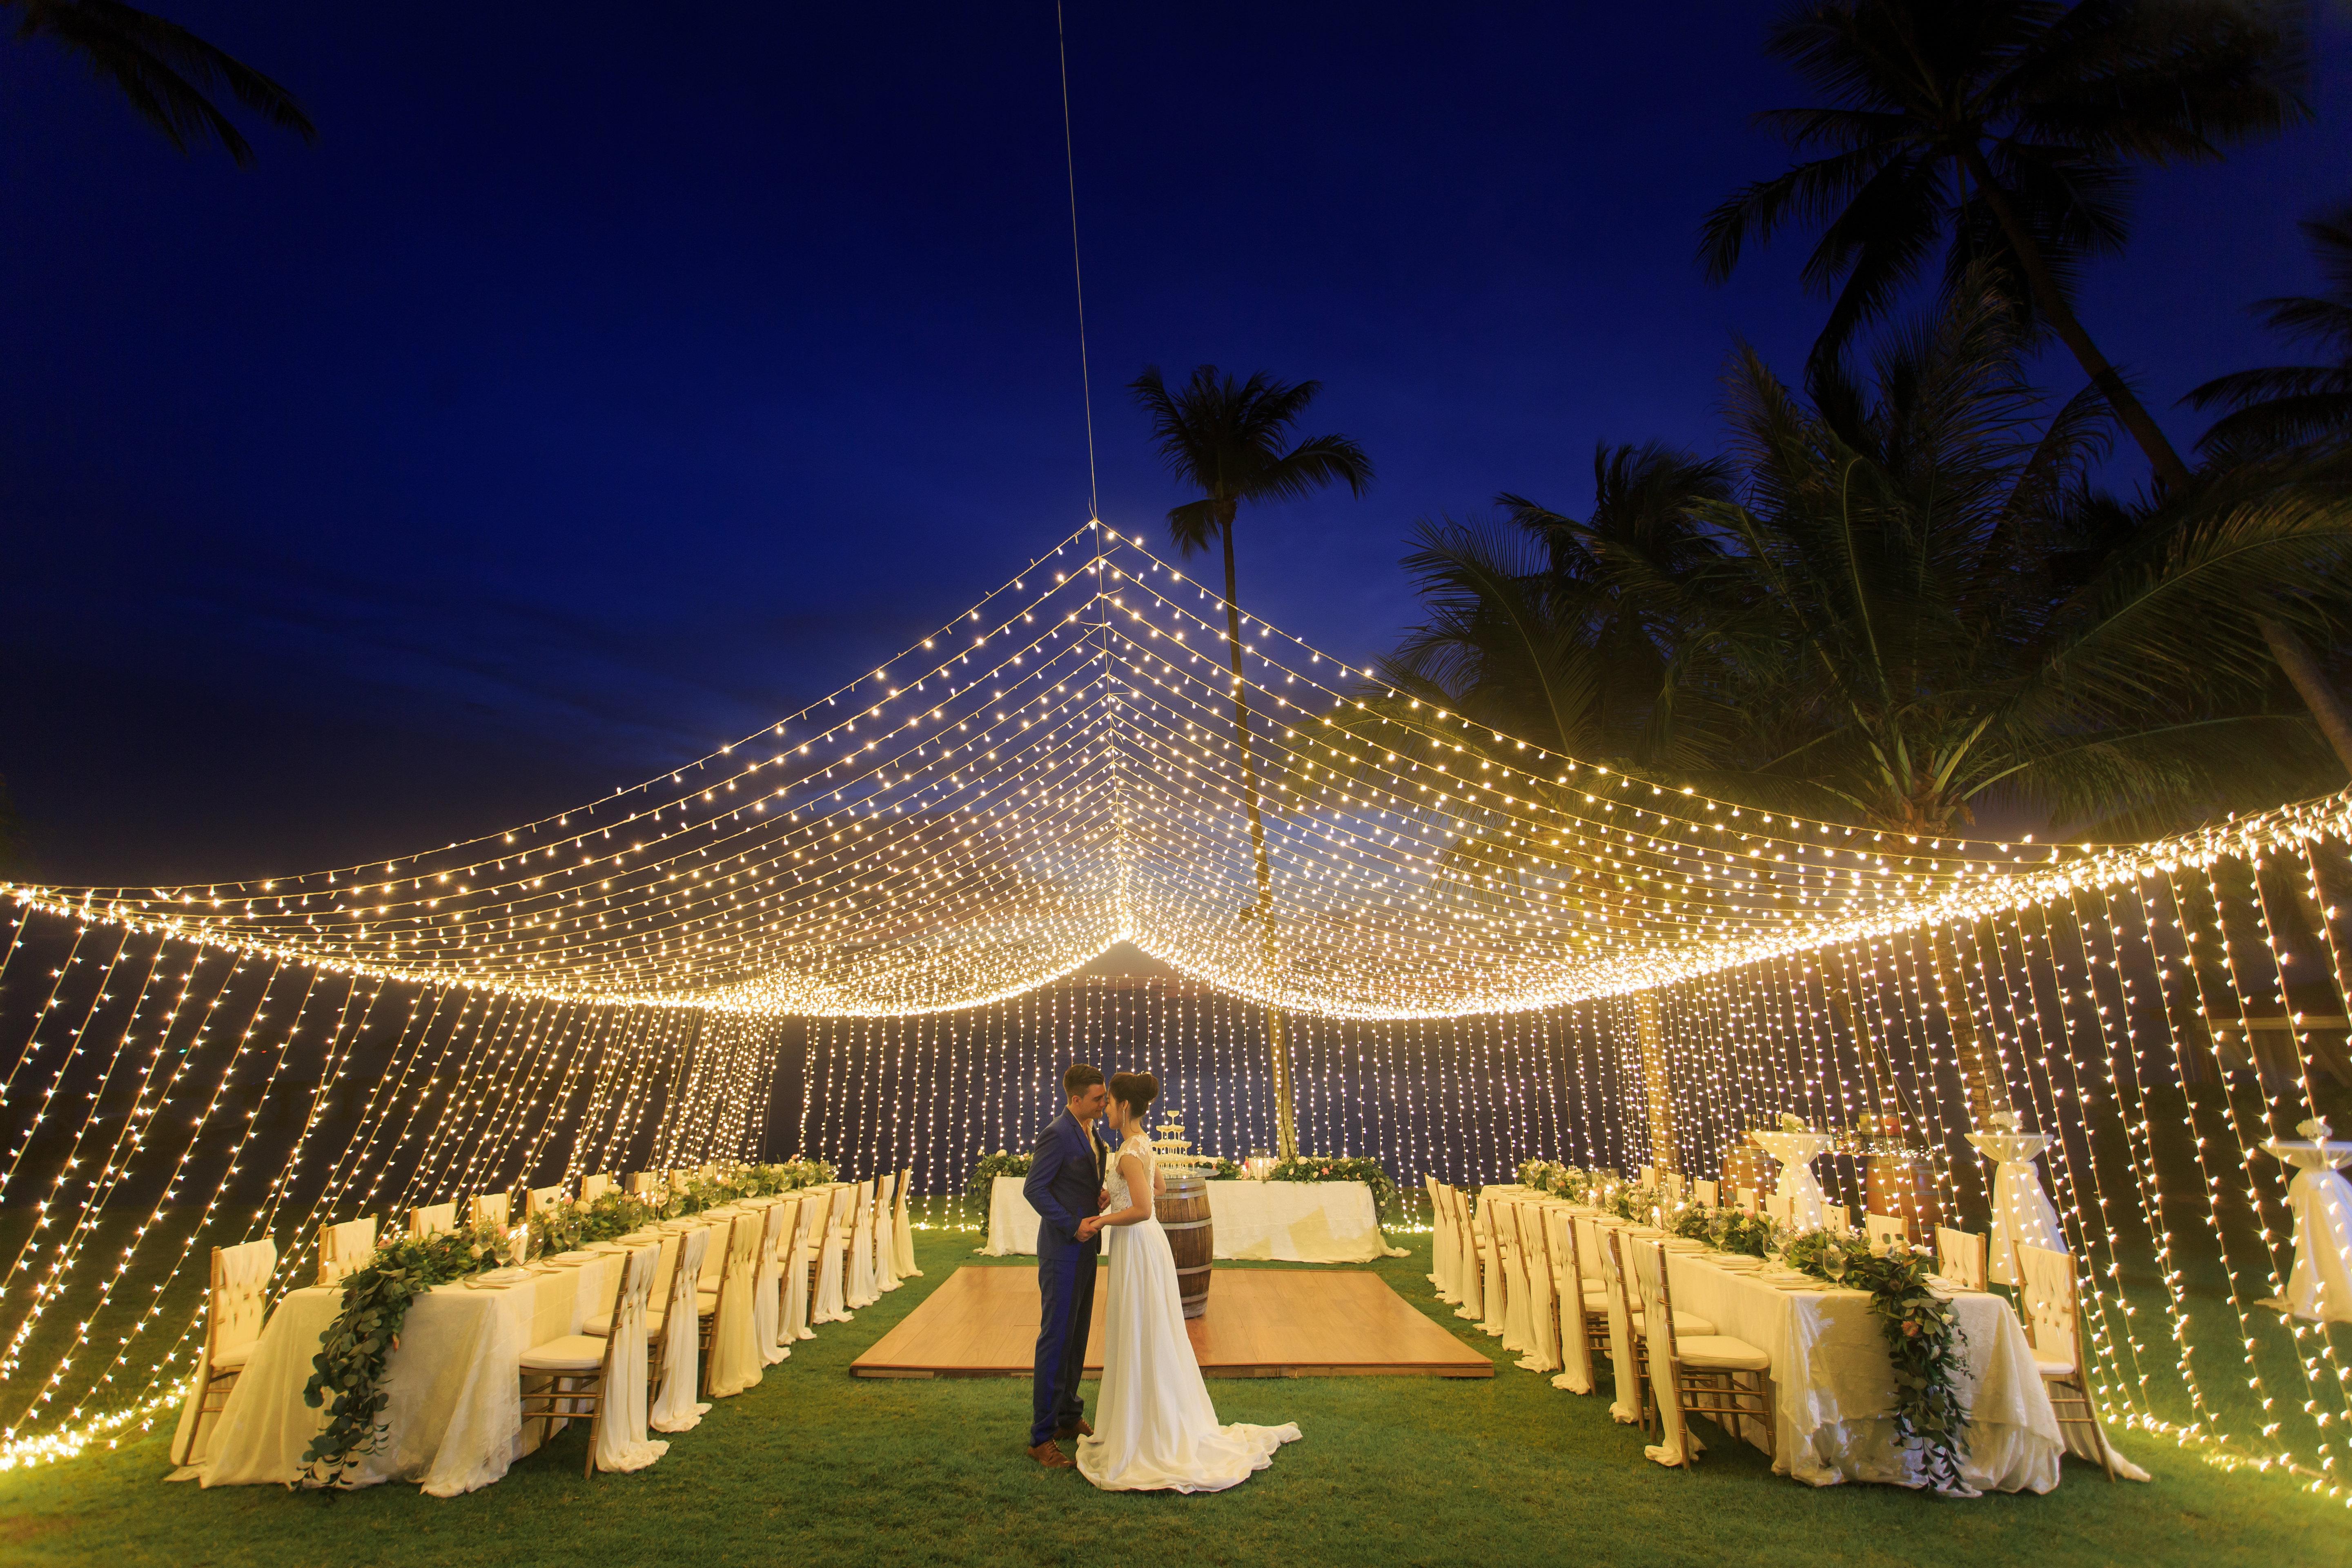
[1686, 1324]
[601, 1324]
[1720, 1352]
[1596, 1300]
[573, 1353]
[232, 1356]
[2053, 1368]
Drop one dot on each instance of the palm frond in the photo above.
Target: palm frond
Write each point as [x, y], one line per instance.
[162, 71]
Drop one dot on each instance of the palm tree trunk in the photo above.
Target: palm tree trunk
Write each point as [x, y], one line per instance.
[1286, 1133]
[2311, 683]
[2048, 299]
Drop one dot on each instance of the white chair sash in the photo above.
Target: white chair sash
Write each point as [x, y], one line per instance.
[490, 1209]
[621, 1440]
[1575, 1350]
[886, 1234]
[676, 1408]
[594, 1188]
[775, 1244]
[802, 1252]
[834, 1243]
[735, 1361]
[432, 1220]
[860, 1287]
[1439, 1274]
[902, 1235]
[1534, 1266]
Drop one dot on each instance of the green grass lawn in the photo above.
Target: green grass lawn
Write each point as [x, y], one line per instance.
[815, 1466]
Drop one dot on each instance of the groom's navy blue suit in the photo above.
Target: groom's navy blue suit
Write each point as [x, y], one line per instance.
[1065, 1186]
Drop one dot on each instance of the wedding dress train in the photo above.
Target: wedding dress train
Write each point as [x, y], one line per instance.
[1155, 1429]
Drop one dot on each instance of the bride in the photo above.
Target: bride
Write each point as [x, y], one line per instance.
[1155, 1429]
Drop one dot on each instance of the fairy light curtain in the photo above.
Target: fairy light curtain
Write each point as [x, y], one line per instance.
[1057, 770]
[1474, 940]
[1460, 1099]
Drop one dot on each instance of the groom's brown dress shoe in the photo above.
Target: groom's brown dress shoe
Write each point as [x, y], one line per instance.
[1050, 1456]
[1064, 1434]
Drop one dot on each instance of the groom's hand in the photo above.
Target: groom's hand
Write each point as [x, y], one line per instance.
[1102, 1199]
[1088, 1226]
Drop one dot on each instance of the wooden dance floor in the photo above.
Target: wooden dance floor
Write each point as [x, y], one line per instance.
[1262, 1323]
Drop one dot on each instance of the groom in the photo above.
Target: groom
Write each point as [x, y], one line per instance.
[1066, 1188]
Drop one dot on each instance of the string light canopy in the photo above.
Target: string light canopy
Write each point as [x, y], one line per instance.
[1055, 770]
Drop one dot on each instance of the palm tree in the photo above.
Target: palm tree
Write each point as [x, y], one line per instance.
[1916, 609]
[1232, 442]
[2009, 126]
[163, 71]
[2285, 406]
[2012, 125]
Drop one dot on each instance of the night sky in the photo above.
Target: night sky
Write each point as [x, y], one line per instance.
[609, 380]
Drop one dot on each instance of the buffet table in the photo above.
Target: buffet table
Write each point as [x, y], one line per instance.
[455, 1382]
[1289, 1222]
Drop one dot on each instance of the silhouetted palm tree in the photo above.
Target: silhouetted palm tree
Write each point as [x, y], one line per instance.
[2005, 130]
[1231, 441]
[1914, 608]
[163, 71]
[2285, 406]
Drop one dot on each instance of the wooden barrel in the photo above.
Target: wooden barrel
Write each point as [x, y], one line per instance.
[1183, 1213]
[1899, 1189]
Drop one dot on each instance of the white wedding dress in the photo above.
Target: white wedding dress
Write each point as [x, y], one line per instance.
[1155, 1429]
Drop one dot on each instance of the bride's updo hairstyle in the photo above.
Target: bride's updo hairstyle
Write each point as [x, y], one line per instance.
[1134, 1089]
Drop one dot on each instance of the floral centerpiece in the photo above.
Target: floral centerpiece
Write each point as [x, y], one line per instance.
[567, 1228]
[1725, 1229]
[1220, 1169]
[1637, 1203]
[1923, 1340]
[1339, 1168]
[346, 1374]
[1570, 1182]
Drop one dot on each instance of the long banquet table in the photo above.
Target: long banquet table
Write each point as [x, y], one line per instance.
[1290, 1222]
[453, 1420]
[1833, 1390]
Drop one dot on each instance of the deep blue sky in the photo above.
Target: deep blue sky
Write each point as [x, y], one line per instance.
[606, 381]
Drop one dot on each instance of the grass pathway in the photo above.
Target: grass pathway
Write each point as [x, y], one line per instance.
[815, 1467]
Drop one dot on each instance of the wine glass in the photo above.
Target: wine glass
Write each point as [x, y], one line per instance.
[1834, 1264]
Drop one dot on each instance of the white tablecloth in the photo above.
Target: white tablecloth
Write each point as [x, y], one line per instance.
[1291, 1222]
[1835, 1392]
[1011, 1222]
[455, 1408]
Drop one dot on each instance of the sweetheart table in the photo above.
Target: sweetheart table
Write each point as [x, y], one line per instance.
[455, 1417]
[1289, 1222]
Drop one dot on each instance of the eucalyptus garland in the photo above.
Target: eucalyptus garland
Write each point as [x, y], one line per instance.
[734, 1181]
[1570, 1181]
[1339, 1168]
[1636, 1204]
[349, 1368]
[567, 1228]
[1725, 1229]
[1923, 1344]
